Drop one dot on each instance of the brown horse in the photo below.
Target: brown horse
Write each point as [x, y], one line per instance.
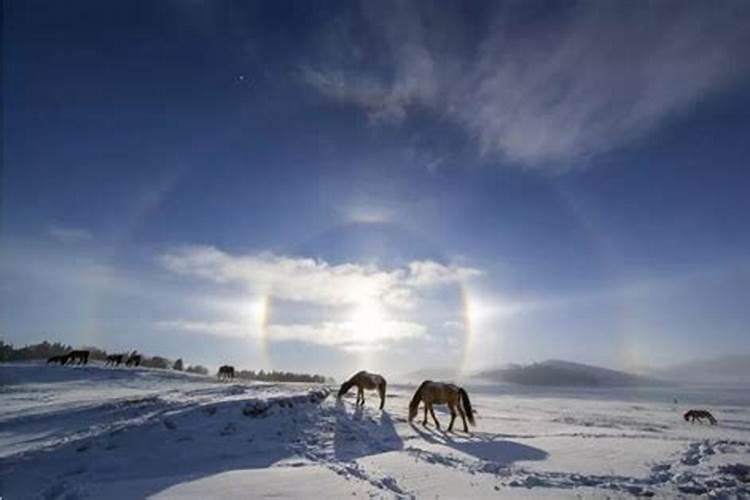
[134, 359]
[81, 356]
[114, 359]
[364, 380]
[693, 415]
[62, 359]
[442, 393]
[226, 372]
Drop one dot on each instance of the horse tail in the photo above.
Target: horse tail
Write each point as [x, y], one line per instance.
[381, 390]
[414, 404]
[467, 405]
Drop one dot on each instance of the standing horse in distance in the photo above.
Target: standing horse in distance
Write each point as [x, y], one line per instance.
[364, 380]
[432, 393]
[114, 359]
[693, 415]
[81, 356]
[62, 359]
[226, 372]
[134, 359]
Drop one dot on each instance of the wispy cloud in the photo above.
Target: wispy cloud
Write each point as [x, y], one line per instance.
[368, 215]
[343, 334]
[353, 306]
[69, 235]
[216, 328]
[543, 94]
[314, 281]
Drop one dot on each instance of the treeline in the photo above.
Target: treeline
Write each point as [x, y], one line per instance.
[36, 351]
[45, 350]
[279, 376]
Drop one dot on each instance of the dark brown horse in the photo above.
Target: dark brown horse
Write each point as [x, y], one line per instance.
[81, 356]
[114, 359]
[133, 360]
[364, 380]
[442, 393]
[226, 372]
[62, 359]
[693, 415]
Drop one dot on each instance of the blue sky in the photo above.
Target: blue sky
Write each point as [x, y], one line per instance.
[383, 185]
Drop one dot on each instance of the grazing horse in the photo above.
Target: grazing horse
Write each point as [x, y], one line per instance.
[442, 393]
[226, 372]
[364, 380]
[133, 360]
[693, 415]
[62, 359]
[114, 359]
[81, 356]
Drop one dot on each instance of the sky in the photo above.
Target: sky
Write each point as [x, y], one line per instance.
[332, 186]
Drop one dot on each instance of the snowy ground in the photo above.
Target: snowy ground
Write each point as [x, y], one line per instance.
[70, 433]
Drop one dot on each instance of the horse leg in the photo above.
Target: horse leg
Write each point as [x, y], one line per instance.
[362, 395]
[424, 422]
[463, 418]
[453, 417]
[432, 412]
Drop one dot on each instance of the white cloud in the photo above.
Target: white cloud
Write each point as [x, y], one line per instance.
[314, 281]
[347, 335]
[368, 215]
[217, 328]
[69, 235]
[427, 273]
[354, 306]
[555, 92]
[454, 325]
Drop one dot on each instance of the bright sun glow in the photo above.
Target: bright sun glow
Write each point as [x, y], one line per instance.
[253, 314]
[477, 311]
[369, 321]
[260, 311]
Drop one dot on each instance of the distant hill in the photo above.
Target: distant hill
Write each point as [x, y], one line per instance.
[727, 369]
[563, 373]
[445, 374]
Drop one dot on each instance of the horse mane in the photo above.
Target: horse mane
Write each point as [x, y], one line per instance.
[414, 404]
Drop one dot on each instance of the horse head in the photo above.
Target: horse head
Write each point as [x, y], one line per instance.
[344, 389]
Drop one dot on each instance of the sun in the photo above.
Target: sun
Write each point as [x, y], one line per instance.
[368, 320]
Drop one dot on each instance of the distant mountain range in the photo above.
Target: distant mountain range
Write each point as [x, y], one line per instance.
[564, 373]
[446, 374]
[727, 369]
[554, 372]
[546, 373]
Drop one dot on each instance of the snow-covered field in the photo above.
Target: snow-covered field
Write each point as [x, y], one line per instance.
[94, 432]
